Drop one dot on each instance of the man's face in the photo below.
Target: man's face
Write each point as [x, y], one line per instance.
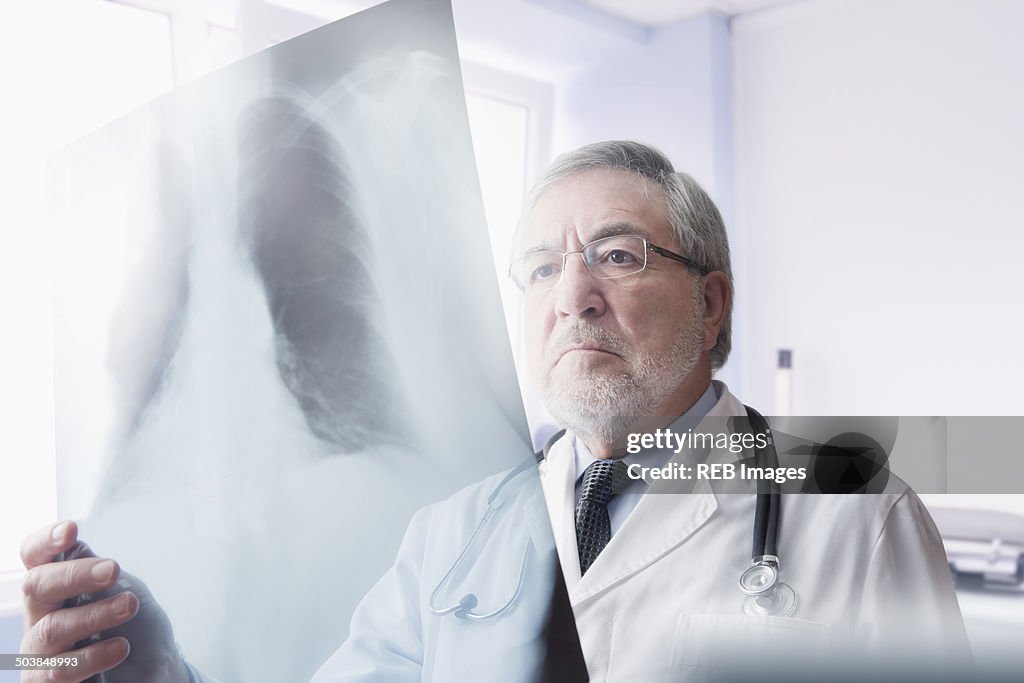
[602, 349]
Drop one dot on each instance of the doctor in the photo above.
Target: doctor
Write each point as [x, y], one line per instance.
[627, 294]
[626, 281]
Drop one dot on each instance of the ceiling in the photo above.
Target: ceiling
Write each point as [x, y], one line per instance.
[643, 13]
[662, 12]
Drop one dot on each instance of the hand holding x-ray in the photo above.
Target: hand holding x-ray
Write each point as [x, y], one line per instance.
[77, 603]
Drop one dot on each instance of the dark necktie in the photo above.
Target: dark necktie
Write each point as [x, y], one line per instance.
[601, 480]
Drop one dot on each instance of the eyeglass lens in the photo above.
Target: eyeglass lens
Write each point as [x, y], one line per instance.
[606, 258]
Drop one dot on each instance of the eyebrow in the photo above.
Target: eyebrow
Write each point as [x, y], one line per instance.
[620, 228]
[609, 230]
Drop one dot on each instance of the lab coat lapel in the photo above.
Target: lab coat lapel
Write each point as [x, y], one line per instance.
[664, 521]
[659, 523]
[558, 481]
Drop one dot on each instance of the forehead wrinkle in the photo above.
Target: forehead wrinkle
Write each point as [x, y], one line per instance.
[613, 226]
[541, 246]
[619, 228]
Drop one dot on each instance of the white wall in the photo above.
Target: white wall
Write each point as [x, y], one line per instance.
[879, 167]
[661, 92]
[675, 93]
[669, 86]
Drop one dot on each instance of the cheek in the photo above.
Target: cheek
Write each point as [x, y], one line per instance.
[637, 316]
[654, 328]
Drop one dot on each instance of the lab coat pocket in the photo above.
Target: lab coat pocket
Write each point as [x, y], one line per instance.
[715, 647]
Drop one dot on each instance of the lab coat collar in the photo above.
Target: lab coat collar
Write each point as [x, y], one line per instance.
[657, 525]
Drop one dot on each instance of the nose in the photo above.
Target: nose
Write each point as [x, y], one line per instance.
[578, 294]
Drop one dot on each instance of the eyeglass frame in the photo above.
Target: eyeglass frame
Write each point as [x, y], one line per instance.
[648, 248]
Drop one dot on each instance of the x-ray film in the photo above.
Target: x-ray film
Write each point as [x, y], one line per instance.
[278, 334]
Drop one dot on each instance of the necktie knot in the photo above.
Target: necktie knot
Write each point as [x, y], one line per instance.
[601, 480]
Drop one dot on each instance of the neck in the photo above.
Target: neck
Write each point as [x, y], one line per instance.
[674, 405]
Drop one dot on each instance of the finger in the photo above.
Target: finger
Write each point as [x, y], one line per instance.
[58, 631]
[96, 658]
[41, 546]
[46, 587]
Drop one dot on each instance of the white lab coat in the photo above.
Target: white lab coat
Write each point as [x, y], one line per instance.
[661, 602]
[395, 638]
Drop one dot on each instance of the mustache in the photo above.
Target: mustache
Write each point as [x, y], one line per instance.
[587, 333]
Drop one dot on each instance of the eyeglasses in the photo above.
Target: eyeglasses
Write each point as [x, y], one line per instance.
[606, 259]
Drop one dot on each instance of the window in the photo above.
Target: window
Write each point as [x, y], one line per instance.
[99, 60]
[510, 120]
[499, 131]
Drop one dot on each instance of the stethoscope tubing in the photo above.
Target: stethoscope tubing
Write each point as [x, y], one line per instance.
[764, 547]
[463, 609]
[766, 508]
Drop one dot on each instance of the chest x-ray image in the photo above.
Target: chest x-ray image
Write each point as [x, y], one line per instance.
[278, 334]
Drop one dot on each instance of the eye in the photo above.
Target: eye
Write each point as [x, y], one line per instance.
[619, 257]
[543, 272]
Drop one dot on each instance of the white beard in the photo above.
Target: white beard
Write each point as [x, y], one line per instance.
[607, 406]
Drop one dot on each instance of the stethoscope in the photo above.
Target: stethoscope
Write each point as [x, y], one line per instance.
[765, 594]
[465, 607]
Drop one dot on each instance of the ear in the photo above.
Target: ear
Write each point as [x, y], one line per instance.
[717, 299]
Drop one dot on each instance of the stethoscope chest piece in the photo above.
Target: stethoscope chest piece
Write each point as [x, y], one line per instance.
[759, 579]
[765, 594]
[780, 601]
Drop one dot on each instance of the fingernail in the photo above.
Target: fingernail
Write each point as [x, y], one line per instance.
[117, 647]
[122, 605]
[59, 532]
[102, 571]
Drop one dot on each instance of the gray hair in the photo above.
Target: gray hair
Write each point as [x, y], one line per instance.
[695, 220]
